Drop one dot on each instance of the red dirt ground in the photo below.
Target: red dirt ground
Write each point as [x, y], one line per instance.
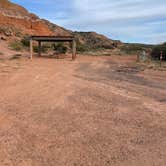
[95, 111]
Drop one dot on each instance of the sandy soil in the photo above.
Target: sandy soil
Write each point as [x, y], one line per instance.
[5, 52]
[95, 111]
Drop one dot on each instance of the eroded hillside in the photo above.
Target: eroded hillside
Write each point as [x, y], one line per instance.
[16, 22]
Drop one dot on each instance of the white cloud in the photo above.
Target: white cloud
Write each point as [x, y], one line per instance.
[126, 19]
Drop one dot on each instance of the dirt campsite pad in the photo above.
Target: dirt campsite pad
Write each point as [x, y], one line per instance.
[95, 111]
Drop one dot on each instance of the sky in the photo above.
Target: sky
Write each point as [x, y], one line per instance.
[134, 21]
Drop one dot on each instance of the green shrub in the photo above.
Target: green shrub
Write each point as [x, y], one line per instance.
[25, 41]
[20, 45]
[18, 33]
[131, 48]
[16, 45]
[44, 48]
[81, 48]
[60, 48]
[156, 52]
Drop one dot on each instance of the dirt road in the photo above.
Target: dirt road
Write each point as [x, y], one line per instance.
[95, 111]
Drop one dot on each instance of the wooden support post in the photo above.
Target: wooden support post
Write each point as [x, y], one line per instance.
[161, 58]
[39, 48]
[73, 50]
[31, 49]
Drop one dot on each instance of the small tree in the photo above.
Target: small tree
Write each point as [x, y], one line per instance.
[16, 45]
[25, 41]
[60, 48]
[81, 48]
[156, 52]
[44, 48]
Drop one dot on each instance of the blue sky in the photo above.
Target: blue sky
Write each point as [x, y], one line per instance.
[141, 21]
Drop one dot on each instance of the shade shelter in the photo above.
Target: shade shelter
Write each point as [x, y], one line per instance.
[41, 39]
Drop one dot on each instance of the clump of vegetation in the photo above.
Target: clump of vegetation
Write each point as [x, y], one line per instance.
[25, 41]
[82, 48]
[19, 45]
[156, 52]
[60, 48]
[131, 49]
[16, 45]
[44, 48]
[134, 48]
[17, 32]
